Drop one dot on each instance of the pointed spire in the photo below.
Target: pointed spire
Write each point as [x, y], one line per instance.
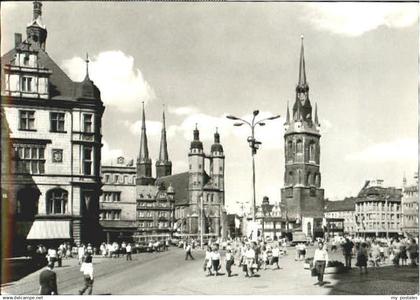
[216, 137]
[302, 71]
[163, 153]
[87, 66]
[196, 133]
[287, 114]
[144, 151]
[316, 114]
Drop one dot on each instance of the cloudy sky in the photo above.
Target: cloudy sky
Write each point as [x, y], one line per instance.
[206, 60]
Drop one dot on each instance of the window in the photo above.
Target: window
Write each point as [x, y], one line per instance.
[290, 150]
[87, 122]
[27, 120]
[31, 159]
[26, 84]
[87, 160]
[299, 146]
[312, 151]
[26, 59]
[106, 178]
[57, 201]
[57, 122]
[116, 178]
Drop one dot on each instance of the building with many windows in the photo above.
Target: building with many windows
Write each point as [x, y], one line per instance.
[410, 209]
[117, 204]
[52, 184]
[343, 210]
[378, 210]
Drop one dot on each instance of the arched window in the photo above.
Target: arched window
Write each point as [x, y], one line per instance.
[312, 151]
[299, 146]
[290, 150]
[299, 172]
[208, 197]
[309, 178]
[290, 178]
[57, 201]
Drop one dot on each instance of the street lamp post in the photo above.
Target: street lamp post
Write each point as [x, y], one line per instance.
[254, 145]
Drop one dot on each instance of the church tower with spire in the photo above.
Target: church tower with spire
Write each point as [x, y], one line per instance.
[163, 165]
[302, 192]
[144, 163]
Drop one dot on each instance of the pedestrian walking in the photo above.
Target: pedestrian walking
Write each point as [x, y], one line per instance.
[403, 253]
[81, 253]
[215, 259]
[396, 250]
[89, 249]
[87, 270]
[320, 262]
[249, 261]
[348, 252]
[413, 252]
[375, 255]
[188, 249]
[48, 281]
[128, 252]
[229, 262]
[276, 257]
[362, 258]
[207, 261]
[52, 255]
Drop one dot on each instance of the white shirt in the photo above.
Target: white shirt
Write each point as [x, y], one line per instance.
[250, 253]
[87, 269]
[321, 255]
[81, 251]
[208, 255]
[128, 248]
[215, 256]
[276, 252]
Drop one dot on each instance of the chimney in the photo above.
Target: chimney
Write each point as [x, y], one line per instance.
[18, 39]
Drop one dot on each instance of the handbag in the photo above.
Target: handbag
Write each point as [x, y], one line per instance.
[314, 272]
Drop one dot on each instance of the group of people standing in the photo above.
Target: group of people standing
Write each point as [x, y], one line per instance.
[250, 256]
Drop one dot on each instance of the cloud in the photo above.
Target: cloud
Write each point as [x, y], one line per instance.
[109, 155]
[354, 19]
[153, 128]
[122, 85]
[182, 110]
[398, 150]
[270, 135]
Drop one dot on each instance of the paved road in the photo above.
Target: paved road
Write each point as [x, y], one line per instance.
[168, 273]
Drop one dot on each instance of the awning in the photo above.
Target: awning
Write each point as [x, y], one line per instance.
[48, 230]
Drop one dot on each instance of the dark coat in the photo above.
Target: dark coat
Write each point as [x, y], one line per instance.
[48, 282]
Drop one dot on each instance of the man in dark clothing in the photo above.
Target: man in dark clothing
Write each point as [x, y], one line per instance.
[48, 281]
[347, 252]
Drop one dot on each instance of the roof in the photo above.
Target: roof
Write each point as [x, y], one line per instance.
[348, 204]
[180, 184]
[377, 193]
[147, 191]
[60, 85]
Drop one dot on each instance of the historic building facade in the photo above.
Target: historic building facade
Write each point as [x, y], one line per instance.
[343, 210]
[410, 209]
[52, 184]
[378, 210]
[302, 193]
[200, 194]
[117, 204]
